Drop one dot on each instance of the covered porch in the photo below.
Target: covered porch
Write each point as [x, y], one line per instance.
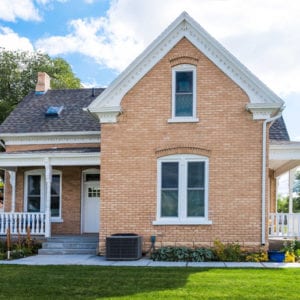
[40, 187]
[284, 209]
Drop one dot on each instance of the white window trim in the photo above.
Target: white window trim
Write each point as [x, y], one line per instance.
[182, 219]
[193, 118]
[41, 172]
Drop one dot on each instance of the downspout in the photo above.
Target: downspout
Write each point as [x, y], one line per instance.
[263, 180]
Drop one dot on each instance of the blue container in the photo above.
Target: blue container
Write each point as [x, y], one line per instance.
[276, 256]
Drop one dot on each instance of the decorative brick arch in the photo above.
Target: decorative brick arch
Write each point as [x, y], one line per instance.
[185, 59]
[182, 149]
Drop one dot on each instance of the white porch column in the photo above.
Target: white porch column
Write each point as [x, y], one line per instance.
[48, 177]
[12, 180]
[291, 183]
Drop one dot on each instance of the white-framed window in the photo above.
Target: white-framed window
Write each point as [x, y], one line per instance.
[35, 193]
[182, 190]
[184, 94]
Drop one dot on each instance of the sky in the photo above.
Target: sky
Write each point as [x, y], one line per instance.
[99, 38]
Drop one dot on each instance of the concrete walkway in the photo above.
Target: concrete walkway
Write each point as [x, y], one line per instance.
[93, 260]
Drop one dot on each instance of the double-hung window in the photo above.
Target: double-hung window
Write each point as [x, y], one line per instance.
[35, 193]
[182, 192]
[184, 94]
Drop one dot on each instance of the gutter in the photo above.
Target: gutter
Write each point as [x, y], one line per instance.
[263, 180]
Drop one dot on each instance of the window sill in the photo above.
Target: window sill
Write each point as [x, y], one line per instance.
[182, 222]
[57, 220]
[183, 120]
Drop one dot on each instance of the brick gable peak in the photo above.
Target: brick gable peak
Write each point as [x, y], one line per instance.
[262, 101]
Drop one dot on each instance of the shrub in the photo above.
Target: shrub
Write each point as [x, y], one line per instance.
[228, 252]
[297, 254]
[201, 254]
[182, 254]
[19, 247]
[261, 256]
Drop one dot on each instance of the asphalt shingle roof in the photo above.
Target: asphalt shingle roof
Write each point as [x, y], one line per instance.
[29, 115]
[278, 131]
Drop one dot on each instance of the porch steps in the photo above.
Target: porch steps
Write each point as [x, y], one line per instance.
[57, 245]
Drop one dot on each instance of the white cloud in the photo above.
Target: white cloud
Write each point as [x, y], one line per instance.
[10, 40]
[97, 39]
[10, 10]
[263, 34]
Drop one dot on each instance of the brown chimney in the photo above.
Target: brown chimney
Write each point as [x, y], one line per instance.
[43, 84]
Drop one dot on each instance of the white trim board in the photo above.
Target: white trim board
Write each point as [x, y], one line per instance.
[56, 159]
[51, 138]
[183, 27]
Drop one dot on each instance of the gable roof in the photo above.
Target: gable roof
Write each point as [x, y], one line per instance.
[29, 115]
[262, 100]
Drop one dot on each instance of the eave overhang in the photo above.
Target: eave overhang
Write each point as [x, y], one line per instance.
[13, 160]
[284, 156]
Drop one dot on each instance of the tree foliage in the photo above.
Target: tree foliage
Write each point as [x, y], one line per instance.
[18, 76]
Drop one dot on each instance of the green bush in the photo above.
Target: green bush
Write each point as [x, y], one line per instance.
[182, 254]
[20, 247]
[228, 252]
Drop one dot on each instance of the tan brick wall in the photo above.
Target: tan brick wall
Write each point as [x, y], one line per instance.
[226, 131]
[71, 198]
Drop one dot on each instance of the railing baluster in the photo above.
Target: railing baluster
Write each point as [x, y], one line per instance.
[18, 222]
[284, 225]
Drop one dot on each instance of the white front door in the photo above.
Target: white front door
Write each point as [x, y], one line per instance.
[91, 207]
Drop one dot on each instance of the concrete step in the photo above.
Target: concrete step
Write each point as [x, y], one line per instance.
[76, 239]
[70, 245]
[66, 251]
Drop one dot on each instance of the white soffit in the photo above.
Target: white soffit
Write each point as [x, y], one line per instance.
[285, 151]
[183, 26]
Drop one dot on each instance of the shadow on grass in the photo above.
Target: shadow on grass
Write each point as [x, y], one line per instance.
[87, 282]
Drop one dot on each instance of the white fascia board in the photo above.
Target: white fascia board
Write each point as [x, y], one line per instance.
[56, 159]
[52, 133]
[184, 26]
[51, 138]
[288, 151]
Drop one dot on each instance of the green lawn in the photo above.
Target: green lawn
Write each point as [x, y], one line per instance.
[94, 282]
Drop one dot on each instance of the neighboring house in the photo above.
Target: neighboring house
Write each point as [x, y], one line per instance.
[184, 151]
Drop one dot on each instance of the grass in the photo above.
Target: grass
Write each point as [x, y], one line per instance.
[94, 282]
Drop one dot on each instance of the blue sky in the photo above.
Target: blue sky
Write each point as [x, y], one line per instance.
[99, 38]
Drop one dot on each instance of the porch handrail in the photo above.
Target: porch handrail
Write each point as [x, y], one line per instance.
[284, 225]
[18, 223]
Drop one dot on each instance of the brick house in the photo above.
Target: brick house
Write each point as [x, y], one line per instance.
[189, 146]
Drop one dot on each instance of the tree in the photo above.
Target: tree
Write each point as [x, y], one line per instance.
[18, 76]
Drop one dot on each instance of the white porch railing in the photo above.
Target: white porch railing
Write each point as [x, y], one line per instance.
[284, 225]
[19, 222]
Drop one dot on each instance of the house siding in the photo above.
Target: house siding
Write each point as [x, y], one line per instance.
[226, 133]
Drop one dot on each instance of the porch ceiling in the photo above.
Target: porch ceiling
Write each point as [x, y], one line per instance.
[56, 157]
[284, 156]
